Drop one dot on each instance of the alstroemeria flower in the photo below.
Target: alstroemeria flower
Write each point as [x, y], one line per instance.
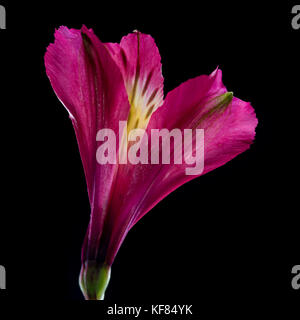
[101, 84]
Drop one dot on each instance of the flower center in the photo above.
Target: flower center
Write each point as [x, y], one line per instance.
[143, 103]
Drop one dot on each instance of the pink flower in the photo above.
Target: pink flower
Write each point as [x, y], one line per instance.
[101, 84]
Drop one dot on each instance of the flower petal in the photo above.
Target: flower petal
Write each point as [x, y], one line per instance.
[229, 129]
[139, 61]
[203, 102]
[66, 68]
[89, 83]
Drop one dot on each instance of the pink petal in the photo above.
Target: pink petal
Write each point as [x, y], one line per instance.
[66, 68]
[228, 132]
[139, 61]
[90, 85]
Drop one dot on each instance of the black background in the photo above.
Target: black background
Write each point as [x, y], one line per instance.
[227, 239]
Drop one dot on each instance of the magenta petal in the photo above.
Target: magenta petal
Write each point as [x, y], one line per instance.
[139, 61]
[90, 85]
[138, 57]
[228, 132]
[66, 68]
